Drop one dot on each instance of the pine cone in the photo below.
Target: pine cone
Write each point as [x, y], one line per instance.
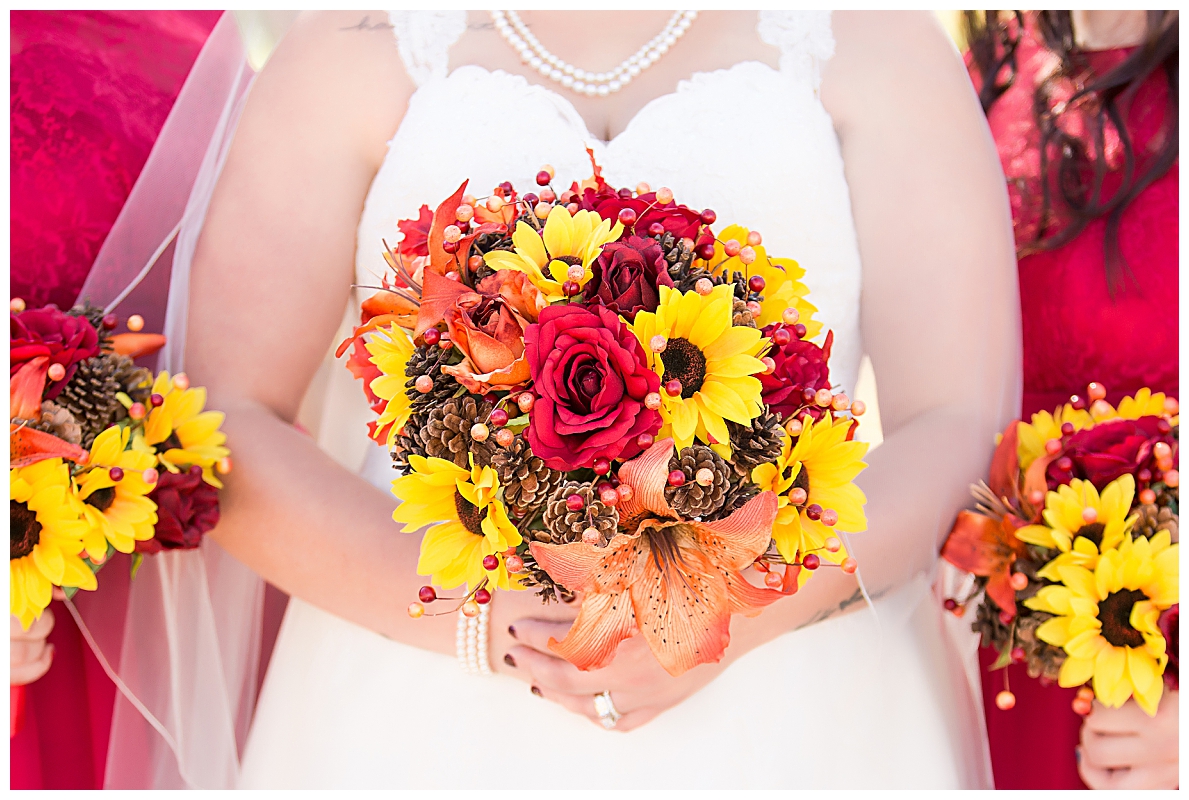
[90, 396]
[1040, 658]
[409, 442]
[534, 576]
[740, 316]
[136, 382]
[94, 315]
[526, 480]
[428, 360]
[1153, 518]
[761, 442]
[691, 499]
[57, 421]
[738, 493]
[563, 526]
[448, 431]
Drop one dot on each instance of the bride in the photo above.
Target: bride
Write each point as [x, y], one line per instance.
[854, 143]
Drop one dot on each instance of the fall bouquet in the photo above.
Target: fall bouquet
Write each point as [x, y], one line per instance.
[103, 457]
[594, 391]
[1074, 549]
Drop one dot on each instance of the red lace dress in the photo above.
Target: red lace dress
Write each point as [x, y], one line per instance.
[1075, 332]
[90, 92]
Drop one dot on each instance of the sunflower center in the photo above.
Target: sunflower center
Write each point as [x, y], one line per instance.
[1093, 532]
[25, 530]
[102, 498]
[684, 362]
[469, 514]
[802, 482]
[568, 260]
[172, 443]
[1115, 615]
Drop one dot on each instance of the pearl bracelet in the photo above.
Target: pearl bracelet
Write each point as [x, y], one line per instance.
[471, 641]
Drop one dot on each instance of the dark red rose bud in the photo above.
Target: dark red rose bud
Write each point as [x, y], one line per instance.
[801, 369]
[61, 338]
[627, 275]
[187, 508]
[1169, 624]
[1110, 449]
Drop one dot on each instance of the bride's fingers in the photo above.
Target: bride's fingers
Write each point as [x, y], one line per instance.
[583, 706]
[556, 673]
[535, 633]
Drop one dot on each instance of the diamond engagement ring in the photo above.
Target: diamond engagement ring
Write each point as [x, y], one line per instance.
[606, 710]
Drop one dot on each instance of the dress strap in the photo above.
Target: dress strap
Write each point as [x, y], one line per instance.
[805, 39]
[424, 39]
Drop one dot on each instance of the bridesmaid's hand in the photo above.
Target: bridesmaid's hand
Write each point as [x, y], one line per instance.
[1124, 748]
[640, 688]
[31, 655]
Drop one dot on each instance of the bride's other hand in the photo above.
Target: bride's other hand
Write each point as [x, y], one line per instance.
[1124, 748]
[31, 655]
[639, 687]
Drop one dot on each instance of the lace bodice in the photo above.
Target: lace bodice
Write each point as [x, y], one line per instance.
[751, 142]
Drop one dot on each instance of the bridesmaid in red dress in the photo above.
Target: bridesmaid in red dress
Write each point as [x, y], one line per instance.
[1098, 288]
[90, 92]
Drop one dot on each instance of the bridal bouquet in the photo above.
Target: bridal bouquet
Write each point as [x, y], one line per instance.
[103, 457]
[594, 391]
[1074, 547]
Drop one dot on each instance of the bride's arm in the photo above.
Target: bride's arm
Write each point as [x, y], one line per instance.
[940, 322]
[270, 282]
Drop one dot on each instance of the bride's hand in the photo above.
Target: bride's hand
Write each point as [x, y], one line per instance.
[1124, 748]
[639, 687]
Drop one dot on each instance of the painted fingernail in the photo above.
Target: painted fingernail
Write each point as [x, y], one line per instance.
[511, 662]
[536, 691]
[512, 631]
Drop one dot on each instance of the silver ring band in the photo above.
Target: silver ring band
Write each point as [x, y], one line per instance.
[608, 715]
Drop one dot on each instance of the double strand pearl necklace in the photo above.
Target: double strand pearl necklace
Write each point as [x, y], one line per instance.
[533, 53]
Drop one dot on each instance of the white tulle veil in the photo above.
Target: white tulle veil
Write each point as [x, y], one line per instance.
[185, 659]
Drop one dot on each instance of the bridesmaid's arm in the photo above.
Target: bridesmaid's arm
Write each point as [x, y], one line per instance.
[940, 322]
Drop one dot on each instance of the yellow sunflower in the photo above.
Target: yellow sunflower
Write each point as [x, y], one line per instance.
[782, 281]
[709, 356]
[116, 511]
[824, 465]
[181, 432]
[468, 521]
[1044, 426]
[390, 353]
[1106, 620]
[565, 241]
[1082, 523]
[1143, 404]
[46, 538]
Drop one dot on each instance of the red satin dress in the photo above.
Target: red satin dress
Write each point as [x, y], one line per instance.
[90, 92]
[1075, 332]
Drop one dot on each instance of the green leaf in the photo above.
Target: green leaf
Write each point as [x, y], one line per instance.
[1004, 657]
[70, 591]
[137, 558]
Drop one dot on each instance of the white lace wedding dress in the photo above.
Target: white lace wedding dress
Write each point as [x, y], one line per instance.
[862, 700]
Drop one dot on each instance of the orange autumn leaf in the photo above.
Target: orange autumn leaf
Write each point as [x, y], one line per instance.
[26, 387]
[677, 582]
[987, 547]
[440, 261]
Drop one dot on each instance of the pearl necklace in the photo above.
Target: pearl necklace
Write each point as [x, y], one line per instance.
[531, 52]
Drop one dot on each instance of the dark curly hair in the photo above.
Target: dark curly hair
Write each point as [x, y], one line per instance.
[1073, 168]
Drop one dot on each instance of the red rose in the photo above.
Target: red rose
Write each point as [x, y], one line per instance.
[48, 332]
[681, 221]
[800, 365]
[187, 507]
[1106, 451]
[590, 377]
[626, 276]
[1170, 622]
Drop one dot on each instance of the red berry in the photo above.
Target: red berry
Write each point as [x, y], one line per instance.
[1067, 429]
[431, 336]
[808, 395]
[705, 251]
[756, 283]
[950, 604]
[570, 288]
[491, 563]
[601, 466]
[474, 262]
[708, 217]
[799, 330]
[506, 187]
[645, 440]
[427, 594]
[575, 502]
[110, 321]
[773, 580]
[676, 478]
[673, 387]
[450, 247]
[1065, 464]
[490, 397]
[628, 217]
[1077, 402]
[531, 199]
[813, 511]
[1144, 476]
[156, 400]
[499, 418]
[116, 474]
[482, 597]
[1005, 617]
[445, 343]
[781, 337]
[603, 486]
[543, 178]
[625, 193]
[1017, 654]
[656, 229]
[811, 561]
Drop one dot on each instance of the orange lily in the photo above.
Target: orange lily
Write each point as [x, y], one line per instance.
[987, 547]
[676, 581]
[28, 446]
[26, 387]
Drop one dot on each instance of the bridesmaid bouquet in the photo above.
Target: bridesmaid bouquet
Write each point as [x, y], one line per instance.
[593, 391]
[103, 457]
[1074, 547]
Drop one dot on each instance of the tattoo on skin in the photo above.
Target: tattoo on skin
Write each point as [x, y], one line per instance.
[366, 24]
[827, 613]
